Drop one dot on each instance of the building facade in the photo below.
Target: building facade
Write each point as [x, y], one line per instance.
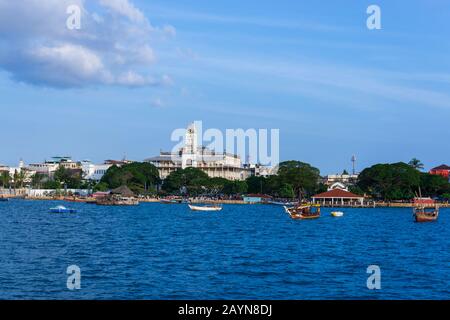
[345, 179]
[442, 170]
[94, 172]
[192, 155]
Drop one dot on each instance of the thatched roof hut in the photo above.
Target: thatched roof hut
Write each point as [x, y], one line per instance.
[123, 191]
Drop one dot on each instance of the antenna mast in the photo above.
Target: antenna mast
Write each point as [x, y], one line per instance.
[354, 164]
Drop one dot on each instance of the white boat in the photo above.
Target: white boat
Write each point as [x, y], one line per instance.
[284, 204]
[205, 208]
[337, 213]
[62, 209]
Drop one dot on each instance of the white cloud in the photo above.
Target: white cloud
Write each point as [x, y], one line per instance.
[76, 58]
[36, 47]
[157, 103]
[124, 8]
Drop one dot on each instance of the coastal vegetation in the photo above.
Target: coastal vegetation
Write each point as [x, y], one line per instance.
[293, 179]
[141, 178]
[400, 181]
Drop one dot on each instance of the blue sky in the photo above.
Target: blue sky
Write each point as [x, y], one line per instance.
[137, 70]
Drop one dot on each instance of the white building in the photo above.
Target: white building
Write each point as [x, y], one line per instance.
[50, 166]
[215, 164]
[28, 173]
[345, 179]
[94, 172]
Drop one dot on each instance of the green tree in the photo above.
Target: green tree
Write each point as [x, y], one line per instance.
[102, 186]
[286, 191]
[140, 177]
[256, 184]
[235, 187]
[68, 178]
[303, 177]
[433, 185]
[5, 179]
[37, 180]
[216, 185]
[192, 181]
[397, 181]
[416, 164]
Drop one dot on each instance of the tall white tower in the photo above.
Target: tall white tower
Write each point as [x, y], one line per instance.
[190, 149]
[190, 140]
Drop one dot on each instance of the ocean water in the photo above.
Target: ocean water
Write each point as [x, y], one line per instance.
[156, 251]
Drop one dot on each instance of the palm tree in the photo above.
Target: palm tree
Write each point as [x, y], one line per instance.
[5, 179]
[416, 164]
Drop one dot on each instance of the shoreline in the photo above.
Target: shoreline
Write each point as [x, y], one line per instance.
[239, 202]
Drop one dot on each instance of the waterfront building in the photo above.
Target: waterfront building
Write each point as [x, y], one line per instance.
[49, 167]
[259, 170]
[345, 179]
[256, 198]
[338, 194]
[442, 170]
[192, 155]
[3, 168]
[21, 168]
[94, 172]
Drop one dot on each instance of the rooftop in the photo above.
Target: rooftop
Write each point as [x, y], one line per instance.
[337, 193]
[442, 167]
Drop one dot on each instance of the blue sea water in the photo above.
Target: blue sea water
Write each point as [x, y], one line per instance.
[156, 251]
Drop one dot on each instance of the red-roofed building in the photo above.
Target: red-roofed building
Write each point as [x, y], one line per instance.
[442, 170]
[338, 197]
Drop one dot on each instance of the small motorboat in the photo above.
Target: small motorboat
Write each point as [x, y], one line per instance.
[337, 214]
[303, 212]
[62, 209]
[205, 208]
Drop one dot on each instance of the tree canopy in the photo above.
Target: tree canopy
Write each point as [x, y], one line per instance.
[397, 181]
[303, 178]
[140, 177]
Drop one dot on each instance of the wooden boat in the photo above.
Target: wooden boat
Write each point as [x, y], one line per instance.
[337, 214]
[205, 207]
[62, 209]
[304, 212]
[171, 201]
[425, 210]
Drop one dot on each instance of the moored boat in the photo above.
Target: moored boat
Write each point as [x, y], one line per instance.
[205, 207]
[62, 209]
[337, 214]
[171, 201]
[303, 212]
[281, 203]
[425, 210]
